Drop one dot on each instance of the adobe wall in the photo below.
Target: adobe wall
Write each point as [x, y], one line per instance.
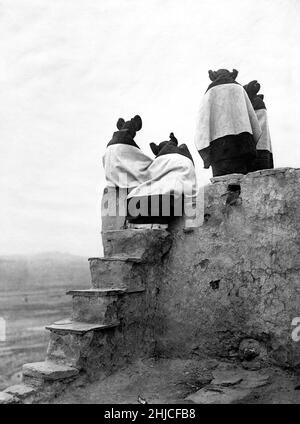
[237, 276]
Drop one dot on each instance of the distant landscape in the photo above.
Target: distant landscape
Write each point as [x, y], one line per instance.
[32, 295]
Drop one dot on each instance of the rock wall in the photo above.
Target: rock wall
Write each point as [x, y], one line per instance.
[228, 288]
[237, 276]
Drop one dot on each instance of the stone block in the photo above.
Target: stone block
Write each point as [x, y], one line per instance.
[150, 245]
[109, 274]
[48, 370]
[95, 309]
[113, 208]
[67, 348]
[21, 391]
[80, 328]
[6, 398]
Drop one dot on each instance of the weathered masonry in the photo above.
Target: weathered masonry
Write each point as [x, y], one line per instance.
[178, 294]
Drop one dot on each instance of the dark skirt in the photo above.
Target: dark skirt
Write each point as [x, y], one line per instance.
[230, 154]
[156, 209]
[240, 165]
[263, 160]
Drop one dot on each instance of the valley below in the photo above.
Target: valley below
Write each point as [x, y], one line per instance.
[33, 295]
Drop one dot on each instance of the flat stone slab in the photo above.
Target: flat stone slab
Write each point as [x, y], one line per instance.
[253, 365]
[103, 292]
[6, 398]
[265, 172]
[138, 243]
[48, 370]
[21, 391]
[226, 378]
[241, 377]
[133, 231]
[226, 177]
[148, 227]
[79, 327]
[218, 395]
[254, 380]
[124, 258]
[229, 384]
[255, 174]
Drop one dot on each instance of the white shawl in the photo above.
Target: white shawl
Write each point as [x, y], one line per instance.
[125, 166]
[225, 110]
[169, 173]
[264, 142]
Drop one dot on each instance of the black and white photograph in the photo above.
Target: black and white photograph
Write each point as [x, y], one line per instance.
[150, 205]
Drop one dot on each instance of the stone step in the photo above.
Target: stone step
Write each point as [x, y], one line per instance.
[146, 228]
[6, 398]
[108, 273]
[92, 309]
[39, 372]
[121, 258]
[81, 345]
[145, 243]
[76, 327]
[21, 391]
[97, 305]
[112, 291]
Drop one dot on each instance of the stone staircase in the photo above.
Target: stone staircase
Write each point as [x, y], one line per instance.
[109, 325]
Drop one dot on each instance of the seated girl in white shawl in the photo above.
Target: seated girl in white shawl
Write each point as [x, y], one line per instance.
[125, 165]
[227, 126]
[172, 183]
[264, 155]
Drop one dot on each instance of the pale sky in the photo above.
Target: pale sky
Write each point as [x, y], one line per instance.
[70, 68]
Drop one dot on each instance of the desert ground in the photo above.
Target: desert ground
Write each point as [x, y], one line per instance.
[177, 381]
[32, 295]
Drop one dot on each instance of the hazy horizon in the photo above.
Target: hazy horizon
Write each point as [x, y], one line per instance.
[45, 253]
[69, 69]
